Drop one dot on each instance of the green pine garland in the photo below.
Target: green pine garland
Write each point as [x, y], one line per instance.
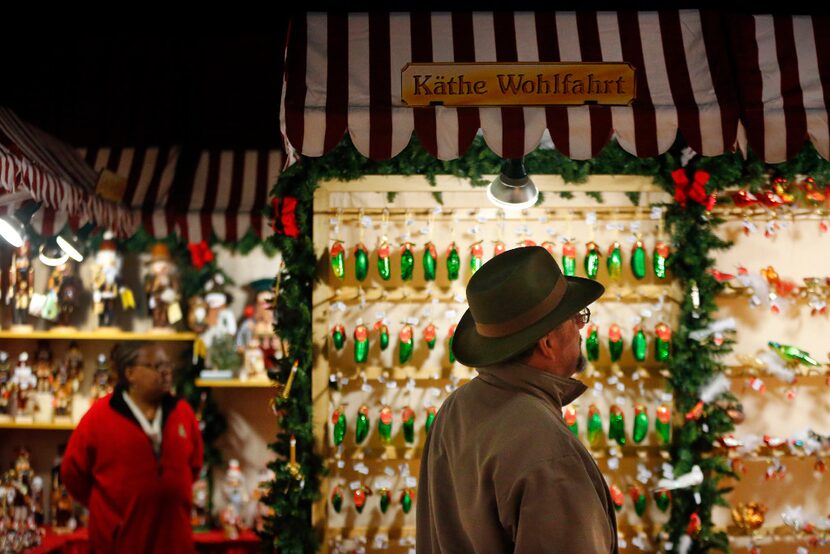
[694, 364]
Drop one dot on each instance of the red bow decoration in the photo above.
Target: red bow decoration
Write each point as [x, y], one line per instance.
[695, 191]
[285, 220]
[200, 254]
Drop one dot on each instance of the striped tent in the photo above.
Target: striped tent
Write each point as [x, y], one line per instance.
[193, 193]
[36, 167]
[343, 73]
[722, 81]
[783, 77]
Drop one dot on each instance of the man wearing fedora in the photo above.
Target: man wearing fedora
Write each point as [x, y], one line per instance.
[501, 472]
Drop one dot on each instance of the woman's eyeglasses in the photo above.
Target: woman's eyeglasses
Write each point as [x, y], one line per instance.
[158, 366]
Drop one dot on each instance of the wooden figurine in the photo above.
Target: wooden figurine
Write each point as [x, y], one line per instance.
[21, 287]
[107, 285]
[161, 285]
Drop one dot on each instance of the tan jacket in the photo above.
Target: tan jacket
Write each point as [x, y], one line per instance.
[501, 472]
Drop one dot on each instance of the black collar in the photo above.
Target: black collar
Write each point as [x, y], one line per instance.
[117, 403]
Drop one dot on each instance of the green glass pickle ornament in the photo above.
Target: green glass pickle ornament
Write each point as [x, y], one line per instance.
[385, 499]
[407, 261]
[640, 423]
[594, 425]
[361, 344]
[383, 334]
[662, 498]
[408, 419]
[570, 420]
[361, 262]
[431, 411]
[638, 497]
[660, 256]
[337, 499]
[569, 259]
[338, 336]
[385, 424]
[615, 343]
[359, 497]
[338, 259]
[384, 261]
[362, 425]
[638, 259]
[450, 335]
[617, 497]
[430, 261]
[406, 500]
[614, 260]
[592, 342]
[429, 335]
[453, 262]
[406, 344]
[616, 425]
[639, 344]
[476, 257]
[591, 260]
[662, 344]
[338, 422]
[662, 423]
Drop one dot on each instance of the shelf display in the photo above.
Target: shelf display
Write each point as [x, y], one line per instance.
[388, 379]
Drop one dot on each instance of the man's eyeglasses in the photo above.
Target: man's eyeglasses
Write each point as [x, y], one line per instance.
[583, 317]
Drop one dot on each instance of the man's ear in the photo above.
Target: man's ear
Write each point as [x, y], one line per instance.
[545, 346]
[128, 373]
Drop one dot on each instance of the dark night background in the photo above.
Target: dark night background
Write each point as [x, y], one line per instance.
[207, 89]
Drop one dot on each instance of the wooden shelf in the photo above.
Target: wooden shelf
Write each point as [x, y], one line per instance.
[38, 426]
[234, 384]
[99, 335]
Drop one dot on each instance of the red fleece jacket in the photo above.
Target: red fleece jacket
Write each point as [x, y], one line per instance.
[137, 502]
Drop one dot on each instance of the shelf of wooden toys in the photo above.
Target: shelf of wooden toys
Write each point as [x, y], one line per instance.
[101, 335]
[233, 384]
[38, 426]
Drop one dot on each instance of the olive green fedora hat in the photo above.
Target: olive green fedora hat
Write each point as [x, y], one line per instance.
[515, 299]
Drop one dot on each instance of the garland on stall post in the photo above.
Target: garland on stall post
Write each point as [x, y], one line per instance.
[293, 492]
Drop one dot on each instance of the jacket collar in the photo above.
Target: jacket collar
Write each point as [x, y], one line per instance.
[117, 403]
[559, 391]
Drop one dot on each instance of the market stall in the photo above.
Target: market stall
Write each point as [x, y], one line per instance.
[343, 74]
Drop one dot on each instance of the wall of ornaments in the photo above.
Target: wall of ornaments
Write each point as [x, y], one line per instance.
[777, 290]
[384, 367]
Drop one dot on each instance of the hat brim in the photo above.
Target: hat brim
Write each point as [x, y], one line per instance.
[474, 350]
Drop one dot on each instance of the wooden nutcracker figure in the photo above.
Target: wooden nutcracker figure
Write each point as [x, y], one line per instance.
[63, 292]
[161, 285]
[21, 287]
[107, 285]
[23, 385]
[5, 388]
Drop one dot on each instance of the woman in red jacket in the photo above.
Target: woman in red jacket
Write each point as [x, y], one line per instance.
[133, 458]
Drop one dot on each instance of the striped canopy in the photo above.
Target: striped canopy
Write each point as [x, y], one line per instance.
[343, 73]
[194, 193]
[36, 167]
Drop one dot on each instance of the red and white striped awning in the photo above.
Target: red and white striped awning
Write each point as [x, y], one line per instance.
[51, 173]
[343, 72]
[783, 79]
[194, 194]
